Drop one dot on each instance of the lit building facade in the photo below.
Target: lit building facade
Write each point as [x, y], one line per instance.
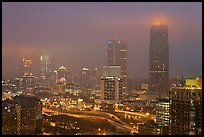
[117, 55]
[186, 108]
[162, 113]
[28, 79]
[9, 118]
[111, 84]
[62, 75]
[20, 115]
[45, 70]
[159, 59]
[26, 67]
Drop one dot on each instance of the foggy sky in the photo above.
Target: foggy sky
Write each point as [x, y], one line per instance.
[75, 35]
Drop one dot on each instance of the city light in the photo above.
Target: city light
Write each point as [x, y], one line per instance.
[95, 81]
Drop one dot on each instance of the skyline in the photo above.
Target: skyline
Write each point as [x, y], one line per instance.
[42, 26]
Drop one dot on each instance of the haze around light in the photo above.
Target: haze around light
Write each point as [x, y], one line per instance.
[75, 35]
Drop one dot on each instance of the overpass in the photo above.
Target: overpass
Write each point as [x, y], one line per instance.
[94, 115]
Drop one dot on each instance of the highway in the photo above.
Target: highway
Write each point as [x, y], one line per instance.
[137, 114]
[101, 115]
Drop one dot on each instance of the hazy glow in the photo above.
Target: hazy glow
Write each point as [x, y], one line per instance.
[75, 34]
[159, 21]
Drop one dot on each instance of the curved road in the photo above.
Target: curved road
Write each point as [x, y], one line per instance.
[123, 125]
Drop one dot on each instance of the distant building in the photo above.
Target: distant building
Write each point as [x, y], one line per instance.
[117, 55]
[89, 79]
[144, 86]
[159, 59]
[186, 108]
[60, 88]
[28, 79]
[64, 74]
[26, 67]
[46, 73]
[111, 84]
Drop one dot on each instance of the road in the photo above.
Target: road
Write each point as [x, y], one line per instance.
[137, 114]
[102, 115]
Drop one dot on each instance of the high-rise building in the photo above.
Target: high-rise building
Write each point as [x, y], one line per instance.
[21, 114]
[163, 115]
[26, 67]
[63, 75]
[159, 59]
[117, 55]
[186, 108]
[111, 84]
[26, 74]
[89, 78]
[45, 70]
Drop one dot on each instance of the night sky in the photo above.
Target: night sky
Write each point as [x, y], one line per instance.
[75, 35]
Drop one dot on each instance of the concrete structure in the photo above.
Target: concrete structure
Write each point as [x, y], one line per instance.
[111, 84]
[20, 115]
[117, 55]
[159, 59]
[162, 113]
[89, 79]
[186, 108]
[45, 70]
[28, 79]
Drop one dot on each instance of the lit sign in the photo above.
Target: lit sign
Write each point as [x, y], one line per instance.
[109, 42]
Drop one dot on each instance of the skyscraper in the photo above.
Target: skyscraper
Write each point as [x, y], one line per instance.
[186, 108]
[26, 67]
[45, 70]
[159, 59]
[26, 74]
[117, 55]
[89, 78]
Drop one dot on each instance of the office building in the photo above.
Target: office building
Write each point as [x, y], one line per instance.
[20, 115]
[89, 79]
[111, 84]
[159, 59]
[162, 114]
[117, 56]
[45, 70]
[151, 128]
[28, 79]
[9, 117]
[186, 108]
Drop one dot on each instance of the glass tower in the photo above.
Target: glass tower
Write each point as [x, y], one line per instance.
[159, 59]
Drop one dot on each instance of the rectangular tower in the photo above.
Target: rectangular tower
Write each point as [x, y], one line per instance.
[159, 59]
[111, 84]
[117, 55]
[45, 70]
[186, 108]
[89, 78]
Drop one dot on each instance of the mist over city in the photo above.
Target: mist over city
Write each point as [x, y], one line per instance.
[101, 68]
[75, 35]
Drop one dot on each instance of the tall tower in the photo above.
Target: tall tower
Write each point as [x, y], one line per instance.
[45, 69]
[26, 74]
[89, 78]
[159, 59]
[26, 68]
[117, 56]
